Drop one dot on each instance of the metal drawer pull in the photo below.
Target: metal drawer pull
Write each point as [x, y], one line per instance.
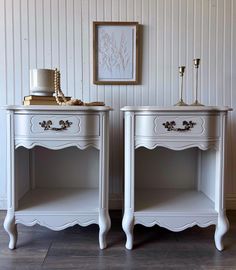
[170, 126]
[47, 125]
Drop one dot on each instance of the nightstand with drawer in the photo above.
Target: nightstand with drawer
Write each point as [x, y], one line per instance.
[71, 192]
[170, 188]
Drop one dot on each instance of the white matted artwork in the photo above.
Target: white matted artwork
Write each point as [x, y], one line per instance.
[115, 50]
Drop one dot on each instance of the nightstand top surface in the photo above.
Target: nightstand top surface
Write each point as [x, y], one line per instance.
[55, 108]
[176, 108]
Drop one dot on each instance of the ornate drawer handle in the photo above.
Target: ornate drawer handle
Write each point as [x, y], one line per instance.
[170, 126]
[47, 125]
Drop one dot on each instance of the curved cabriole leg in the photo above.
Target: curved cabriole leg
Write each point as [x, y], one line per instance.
[104, 226]
[10, 228]
[221, 228]
[128, 225]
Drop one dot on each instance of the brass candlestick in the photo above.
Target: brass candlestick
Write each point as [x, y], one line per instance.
[181, 75]
[196, 63]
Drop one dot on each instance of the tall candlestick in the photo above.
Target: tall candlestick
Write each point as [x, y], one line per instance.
[181, 75]
[196, 63]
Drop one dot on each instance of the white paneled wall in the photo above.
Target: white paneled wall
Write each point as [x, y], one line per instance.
[57, 33]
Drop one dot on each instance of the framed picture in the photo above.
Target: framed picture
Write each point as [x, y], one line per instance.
[115, 52]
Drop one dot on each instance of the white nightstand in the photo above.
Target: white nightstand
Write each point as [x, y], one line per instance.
[175, 203]
[56, 206]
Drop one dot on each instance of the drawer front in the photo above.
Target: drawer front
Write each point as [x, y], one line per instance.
[56, 125]
[183, 125]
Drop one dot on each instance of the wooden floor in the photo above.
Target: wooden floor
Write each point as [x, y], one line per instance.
[155, 248]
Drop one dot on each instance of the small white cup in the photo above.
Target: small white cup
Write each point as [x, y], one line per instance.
[42, 82]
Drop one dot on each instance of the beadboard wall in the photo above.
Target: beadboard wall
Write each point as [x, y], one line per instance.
[57, 33]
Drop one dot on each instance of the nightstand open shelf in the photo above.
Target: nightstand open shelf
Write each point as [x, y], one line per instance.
[172, 201]
[174, 175]
[60, 200]
[57, 175]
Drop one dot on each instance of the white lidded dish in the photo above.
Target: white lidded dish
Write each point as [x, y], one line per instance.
[42, 82]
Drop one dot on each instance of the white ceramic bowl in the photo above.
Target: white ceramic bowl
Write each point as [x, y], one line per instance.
[42, 82]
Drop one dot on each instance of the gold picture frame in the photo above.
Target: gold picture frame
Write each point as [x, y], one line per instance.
[115, 53]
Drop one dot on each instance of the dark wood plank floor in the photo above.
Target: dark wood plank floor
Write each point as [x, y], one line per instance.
[155, 248]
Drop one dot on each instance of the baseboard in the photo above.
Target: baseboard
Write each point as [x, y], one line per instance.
[115, 202]
[3, 203]
[230, 201]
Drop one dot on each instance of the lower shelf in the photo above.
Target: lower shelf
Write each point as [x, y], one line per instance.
[59, 201]
[58, 209]
[172, 201]
[174, 209]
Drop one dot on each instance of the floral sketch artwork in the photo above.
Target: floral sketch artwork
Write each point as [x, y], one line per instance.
[115, 53]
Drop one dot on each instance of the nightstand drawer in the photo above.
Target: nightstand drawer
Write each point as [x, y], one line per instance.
[182, 125]
[56, 125]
